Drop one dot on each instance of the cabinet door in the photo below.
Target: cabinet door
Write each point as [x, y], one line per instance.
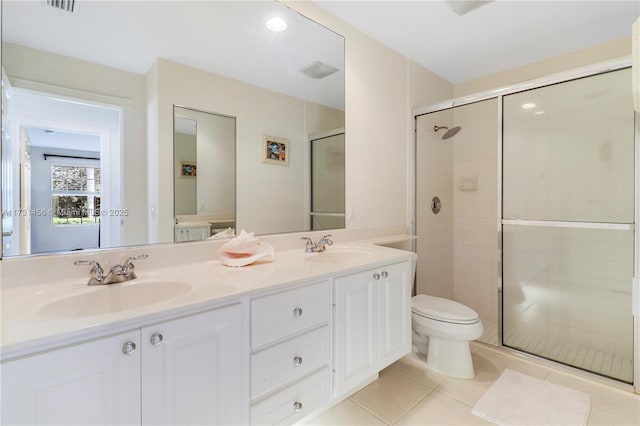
[192, 370]
[180, 235]
[198, 233]
[356, 331]
[395, 312]
[93, 383]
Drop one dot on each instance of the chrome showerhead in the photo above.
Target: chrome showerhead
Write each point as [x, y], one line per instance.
[449, 133]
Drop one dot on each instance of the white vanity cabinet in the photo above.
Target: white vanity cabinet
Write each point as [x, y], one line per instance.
[192, 370]
[94, 383]
[182, 371]
[291, 353]
[394, 299]
[186, 232]
[372, 324]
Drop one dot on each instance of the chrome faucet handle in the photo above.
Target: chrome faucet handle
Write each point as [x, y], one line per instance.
[308, 245]
[323, 243]
[128, 266]
[136, 257]
[96, 270]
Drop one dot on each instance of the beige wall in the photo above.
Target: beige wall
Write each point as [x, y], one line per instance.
[382, 87]
[185, 187]
[270, 198]
[591, 55]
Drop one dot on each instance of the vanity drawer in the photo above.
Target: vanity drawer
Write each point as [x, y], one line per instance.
[290, 360]
[282, 314]
[295, 402]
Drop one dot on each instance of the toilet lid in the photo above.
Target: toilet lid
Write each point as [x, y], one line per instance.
[441, 309]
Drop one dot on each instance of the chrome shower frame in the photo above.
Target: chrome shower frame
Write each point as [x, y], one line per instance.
[499, 93]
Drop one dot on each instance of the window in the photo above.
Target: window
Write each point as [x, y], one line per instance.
[75, 197]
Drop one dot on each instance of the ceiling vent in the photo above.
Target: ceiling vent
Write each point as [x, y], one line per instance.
[461, 7]
[318, 70]
[66, 5]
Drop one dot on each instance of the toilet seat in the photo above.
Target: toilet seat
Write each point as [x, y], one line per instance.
[439, 309]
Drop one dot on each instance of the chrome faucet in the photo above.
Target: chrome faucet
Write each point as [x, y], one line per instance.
[116, 274]
[320, 246]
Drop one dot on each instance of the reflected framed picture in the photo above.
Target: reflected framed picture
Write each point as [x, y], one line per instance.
[275, 151]
[188, 169]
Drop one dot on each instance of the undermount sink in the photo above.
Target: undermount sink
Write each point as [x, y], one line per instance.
[340, 255]
[114, 298]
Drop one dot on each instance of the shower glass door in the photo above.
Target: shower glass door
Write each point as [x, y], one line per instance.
[327, 182]
[568, 223]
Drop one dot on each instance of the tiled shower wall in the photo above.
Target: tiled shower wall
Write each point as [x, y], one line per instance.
[457, 248]
[434, 177]
[475, 214]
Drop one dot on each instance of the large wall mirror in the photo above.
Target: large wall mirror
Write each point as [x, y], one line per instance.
[204, 174]
[94, 100]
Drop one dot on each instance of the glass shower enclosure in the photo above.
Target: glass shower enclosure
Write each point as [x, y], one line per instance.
[568, 210]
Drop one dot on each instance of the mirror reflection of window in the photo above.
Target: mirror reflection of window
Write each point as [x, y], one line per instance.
[76, 195]
[270, 97]
[65, 191]
[67, 186]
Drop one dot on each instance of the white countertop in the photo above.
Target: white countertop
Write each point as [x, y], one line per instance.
[26, 330]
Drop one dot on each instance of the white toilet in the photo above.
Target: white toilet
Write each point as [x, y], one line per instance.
[442, 330]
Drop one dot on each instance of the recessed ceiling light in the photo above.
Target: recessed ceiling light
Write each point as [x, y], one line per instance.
[538, 113]
[276, 25]
[528, 106]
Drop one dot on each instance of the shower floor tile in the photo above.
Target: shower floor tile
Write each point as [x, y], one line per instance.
[600, 362]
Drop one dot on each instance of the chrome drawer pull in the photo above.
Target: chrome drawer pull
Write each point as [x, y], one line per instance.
[297, 406]
[156, 339]
[376, 276]
[297, 312]
[297, 361]
[384, 274]
[128, 348]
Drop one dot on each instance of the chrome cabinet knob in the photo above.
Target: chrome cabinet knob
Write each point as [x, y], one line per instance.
[297, 406]
[384, 274]
[128, 348]
[297, 312]
[376, 276]
[297, 360]
[156, 339]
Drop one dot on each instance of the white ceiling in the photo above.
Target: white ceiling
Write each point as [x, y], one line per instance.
[41, 138]
[228, 38]
[496, 36]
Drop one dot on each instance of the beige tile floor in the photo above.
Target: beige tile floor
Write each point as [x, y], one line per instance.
[408, 394]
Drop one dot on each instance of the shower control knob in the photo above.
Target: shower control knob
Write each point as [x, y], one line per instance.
[376, 276]
[436, 205]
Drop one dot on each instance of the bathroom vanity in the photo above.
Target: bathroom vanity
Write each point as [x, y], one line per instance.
[269, 343]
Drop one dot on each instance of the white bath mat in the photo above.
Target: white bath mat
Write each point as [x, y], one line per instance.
[518, 399]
